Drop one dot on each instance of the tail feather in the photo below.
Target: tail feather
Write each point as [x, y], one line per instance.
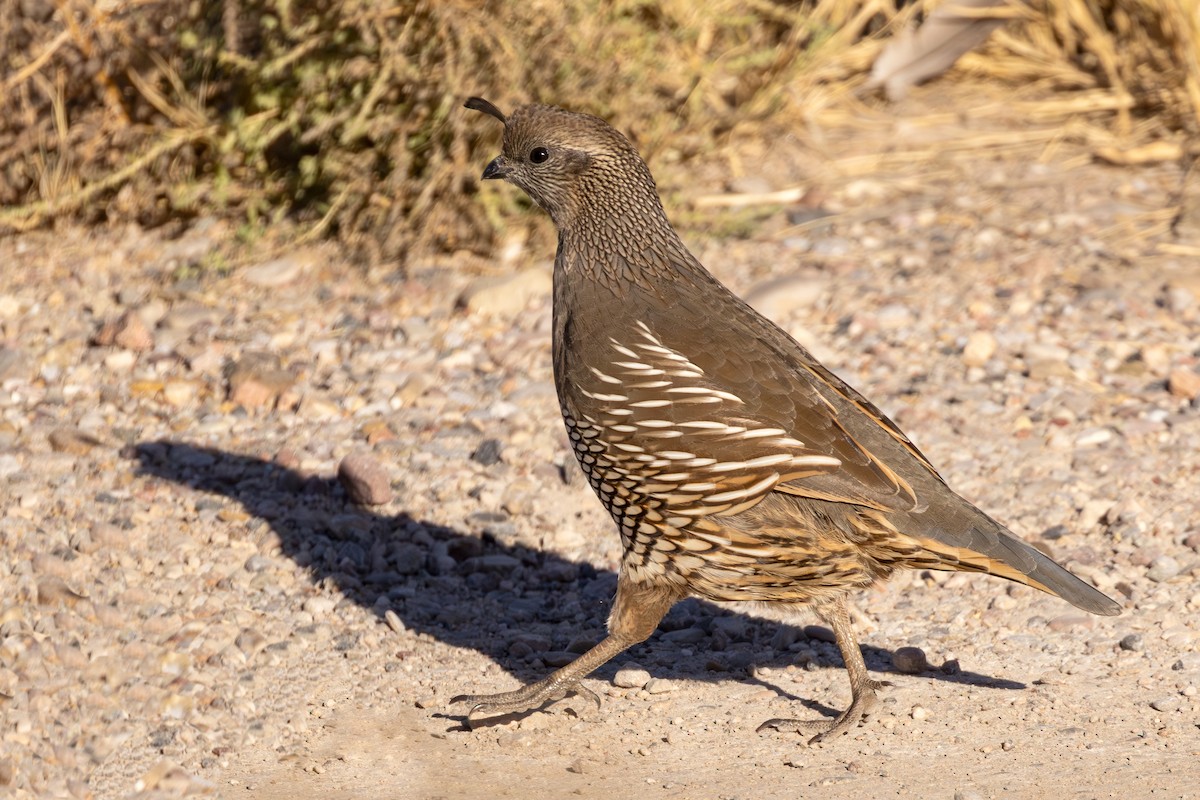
[980, 544]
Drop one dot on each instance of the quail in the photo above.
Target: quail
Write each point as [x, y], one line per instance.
[734, 464]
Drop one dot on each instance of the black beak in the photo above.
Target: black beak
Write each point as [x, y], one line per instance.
[495, 170]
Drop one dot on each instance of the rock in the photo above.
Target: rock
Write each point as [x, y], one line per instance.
[257, 563]
[378, 431]
[558, 658]
[776, 299]
[179, 393]
[733, 627]
[250, 642]
[685, 636]
[319, 605]
[1093, 437]
[581, 644]
[186, 316]
[506, 295]
[52, 590]
[128, 332]
[408, 558]
[919, 713]
[120, 360]
[488, 452]
[980, 347]
[280, 271]
[1163, 569]
[1068, 622]
[1180, 299]
[9, 465]
[1157, 358]
[1166, 704]
[910, 660]
[894, 317]
[256, 381]
[495, 562]
[1003, 603]
[365, 480]
[12, 363]
[1184, 383]
[10, 306]
[631, 676]
[1042, 368]
[1093, 513]
[72, 441]
[1134, 642]
[820, 633]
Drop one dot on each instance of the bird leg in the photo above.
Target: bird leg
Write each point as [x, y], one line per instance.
[862, 686]
[637, 610]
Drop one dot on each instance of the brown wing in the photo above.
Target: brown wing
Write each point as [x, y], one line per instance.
[710, 430]
[666, 427]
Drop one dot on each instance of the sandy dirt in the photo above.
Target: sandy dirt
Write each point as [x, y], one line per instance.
[192, 603]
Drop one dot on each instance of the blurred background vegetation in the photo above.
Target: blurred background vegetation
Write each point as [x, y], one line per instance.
[344, 118]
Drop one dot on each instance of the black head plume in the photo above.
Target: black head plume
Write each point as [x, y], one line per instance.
[479, 104]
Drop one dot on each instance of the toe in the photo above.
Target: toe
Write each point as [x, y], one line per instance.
[792, 725]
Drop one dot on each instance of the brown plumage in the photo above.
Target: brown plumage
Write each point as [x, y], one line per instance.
[735, 465]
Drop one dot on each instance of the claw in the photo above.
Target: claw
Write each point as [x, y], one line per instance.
[793, 725]
[528, 698]
[860, 707]
[826, 729]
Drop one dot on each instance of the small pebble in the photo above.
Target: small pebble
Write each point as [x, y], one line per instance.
[1162, 569]
[488, 452]
[128, 332]
[980, 347]
[506, 295]
[72, 441]
[1184, 383]
[280, 271]
[365, 480]
[820, 633]
[319, 605]
[919, 713]
[1132, 641]
[1068, 622]
[1093, 437]
[1166, 704]
[631, 676]
[910, 660]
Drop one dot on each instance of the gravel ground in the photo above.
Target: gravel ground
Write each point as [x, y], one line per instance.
[257, 529]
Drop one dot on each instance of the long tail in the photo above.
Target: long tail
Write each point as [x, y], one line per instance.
[964, 538]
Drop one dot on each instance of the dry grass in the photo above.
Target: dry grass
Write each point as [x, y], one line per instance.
[344, 115]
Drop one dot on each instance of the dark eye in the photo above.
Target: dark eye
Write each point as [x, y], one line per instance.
[538, 154]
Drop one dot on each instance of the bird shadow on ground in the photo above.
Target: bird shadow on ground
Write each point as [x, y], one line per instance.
[528, 610]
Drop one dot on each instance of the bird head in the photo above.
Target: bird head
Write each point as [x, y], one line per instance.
[574, 166]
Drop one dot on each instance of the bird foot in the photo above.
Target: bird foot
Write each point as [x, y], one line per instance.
[527, 698]
[860, 707]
